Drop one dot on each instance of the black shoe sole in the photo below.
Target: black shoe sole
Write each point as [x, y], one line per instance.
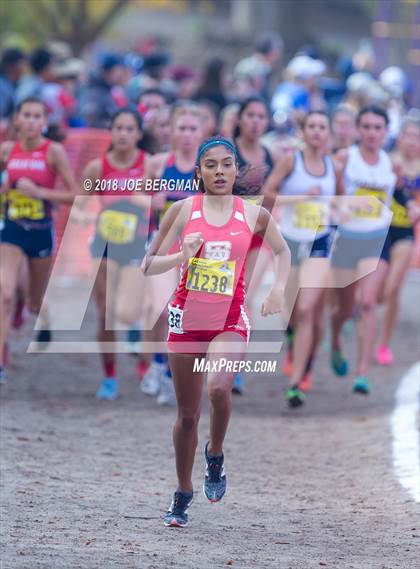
[295, 402]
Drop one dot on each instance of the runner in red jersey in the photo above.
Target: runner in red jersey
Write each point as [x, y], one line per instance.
[206, 316]
[177, 168]
[31, 165]
[118, 245]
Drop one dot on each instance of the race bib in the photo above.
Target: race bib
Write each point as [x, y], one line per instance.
[175, 319]
[373, 208]
[400, 217]
[117, 226]
[216, 277]
[310, 215]
[24, 207]
[254, 200]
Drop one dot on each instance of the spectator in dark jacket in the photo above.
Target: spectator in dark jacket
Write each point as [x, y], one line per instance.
[41, 61]
[97, 103]
[12, 67]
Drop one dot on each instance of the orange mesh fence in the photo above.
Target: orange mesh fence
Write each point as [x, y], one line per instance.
[82, 146]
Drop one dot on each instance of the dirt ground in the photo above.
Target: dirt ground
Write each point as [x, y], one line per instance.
[84, 483]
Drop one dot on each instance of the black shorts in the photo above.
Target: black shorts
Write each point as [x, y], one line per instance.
[36, 243]
[301, 250]
[130, 254]
[348, 251]
[400, 234]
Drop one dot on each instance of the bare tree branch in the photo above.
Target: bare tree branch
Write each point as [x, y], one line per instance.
[100, 26]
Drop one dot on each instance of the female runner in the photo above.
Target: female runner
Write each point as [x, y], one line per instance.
[255, 164]
[207, 314]
[405, 208]
[307, 182]
[176, 166]
[361, 251]
[32, 165]
[118, 245]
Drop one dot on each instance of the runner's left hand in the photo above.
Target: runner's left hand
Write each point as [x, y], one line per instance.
[27, 188]
[273, 304]
[413, 212]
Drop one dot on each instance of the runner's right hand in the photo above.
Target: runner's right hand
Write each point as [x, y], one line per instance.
[82, 217]
[191, 244]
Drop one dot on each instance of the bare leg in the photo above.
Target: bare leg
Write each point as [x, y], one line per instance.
[313, 273]
[103, 291]
[401, 255]
[39, 272]
[188, 389]
[342, 309]
[369, 290]
[219, 386]
[11, 259]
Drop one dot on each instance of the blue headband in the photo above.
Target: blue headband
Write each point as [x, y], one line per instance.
[215, 142]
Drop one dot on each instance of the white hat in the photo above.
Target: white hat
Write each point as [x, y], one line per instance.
[359, 82]
[251, 67]
[72, 67]
[394, 80]
[305, 67]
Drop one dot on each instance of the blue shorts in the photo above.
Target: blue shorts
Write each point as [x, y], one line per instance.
[36, 243]
[400, 234]
[130, 254]
[301, 250]
[348, 251]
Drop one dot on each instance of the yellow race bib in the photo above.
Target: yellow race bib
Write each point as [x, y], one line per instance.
[24, 207]
[400, 217]
[2, 206]
[216, 277]
[373, 208]
[117, 226]
[310, 215]
[255, 200]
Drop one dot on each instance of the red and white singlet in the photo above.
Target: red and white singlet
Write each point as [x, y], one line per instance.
[210, 296]
[32, 164]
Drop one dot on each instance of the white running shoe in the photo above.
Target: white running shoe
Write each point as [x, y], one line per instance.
[150, 384]
[167, 392]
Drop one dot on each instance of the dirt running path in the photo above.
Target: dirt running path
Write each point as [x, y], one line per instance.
[84, 483]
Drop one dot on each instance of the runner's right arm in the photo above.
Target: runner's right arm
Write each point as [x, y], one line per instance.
[78, 214]
[270, 189]
[5, 150]
[157, 260]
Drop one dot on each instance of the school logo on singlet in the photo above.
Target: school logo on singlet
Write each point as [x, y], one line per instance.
[217, 250]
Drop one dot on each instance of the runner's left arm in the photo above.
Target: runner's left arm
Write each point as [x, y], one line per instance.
[267, 228]
[411, 203]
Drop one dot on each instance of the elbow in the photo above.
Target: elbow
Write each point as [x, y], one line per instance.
[145, 265]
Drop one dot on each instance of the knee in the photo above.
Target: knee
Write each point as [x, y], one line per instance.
[188, 420]
[7, 297]
[391, 293]
[125, 316]
[367, 305]
[219, 394]
[305, 313]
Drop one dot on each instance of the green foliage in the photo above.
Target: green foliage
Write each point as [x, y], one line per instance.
[77, 22]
